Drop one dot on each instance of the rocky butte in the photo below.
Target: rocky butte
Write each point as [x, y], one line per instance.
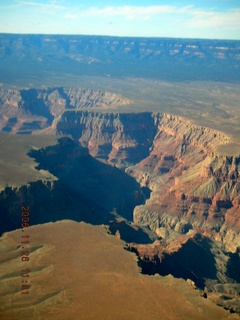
[165, 184]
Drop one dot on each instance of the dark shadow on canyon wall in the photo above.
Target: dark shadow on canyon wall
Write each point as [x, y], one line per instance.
[131, 233]
[233, 265]
[194, 261]
[34, 104]
[86, 190]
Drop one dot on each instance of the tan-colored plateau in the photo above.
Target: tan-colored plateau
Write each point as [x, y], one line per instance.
[79, 271]
[17, 168]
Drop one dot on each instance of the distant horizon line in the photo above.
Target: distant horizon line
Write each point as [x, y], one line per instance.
[115, 36]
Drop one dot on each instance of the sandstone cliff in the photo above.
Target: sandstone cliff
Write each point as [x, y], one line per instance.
[27, 111]
[193, 186]
[194, 200]
[84, 190]
[201, 261]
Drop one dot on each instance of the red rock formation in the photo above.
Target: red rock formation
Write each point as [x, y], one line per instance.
[26, 111]
[193, 186]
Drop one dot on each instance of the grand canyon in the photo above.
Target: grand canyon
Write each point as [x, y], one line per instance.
[127, 152]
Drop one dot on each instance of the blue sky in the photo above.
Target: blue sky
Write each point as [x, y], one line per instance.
[215, 19]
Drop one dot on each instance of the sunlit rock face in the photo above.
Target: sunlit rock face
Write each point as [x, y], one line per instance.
[29, 110]
[158, 181]
[192, 185]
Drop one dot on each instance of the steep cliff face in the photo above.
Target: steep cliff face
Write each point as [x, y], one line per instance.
[26, 111]
[193, 208]
[84, 189]
[201, 261]
[121, 139]
[193, 187]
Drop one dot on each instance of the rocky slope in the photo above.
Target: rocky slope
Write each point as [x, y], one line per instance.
[194, 203]
[192, 185]
[25, 111]
[84, 189]
[201, 261]
[121, 139]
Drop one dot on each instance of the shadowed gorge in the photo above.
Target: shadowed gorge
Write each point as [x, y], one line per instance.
[85, 189]
[194, 192]
[78, 261]
[26, 111]
[193, 260]
[193, 185]
[120, 143]
[199, 260]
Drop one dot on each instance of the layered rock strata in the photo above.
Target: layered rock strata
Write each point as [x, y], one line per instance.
[26, 111]
[84, 189]
[194, 192]
[193, 186]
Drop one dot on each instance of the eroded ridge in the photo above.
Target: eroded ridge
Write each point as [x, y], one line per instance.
[193, 190]
[192, 183]
[80, 270]
[28, 110]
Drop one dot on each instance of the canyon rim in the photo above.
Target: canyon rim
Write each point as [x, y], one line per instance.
[136, 141]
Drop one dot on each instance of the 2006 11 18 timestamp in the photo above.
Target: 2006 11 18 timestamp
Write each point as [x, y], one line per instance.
[25, 254]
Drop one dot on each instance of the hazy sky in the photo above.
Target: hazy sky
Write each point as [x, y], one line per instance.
[218, 19]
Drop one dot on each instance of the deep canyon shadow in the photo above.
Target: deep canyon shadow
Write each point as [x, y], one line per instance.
[85, 190]
[193, 261]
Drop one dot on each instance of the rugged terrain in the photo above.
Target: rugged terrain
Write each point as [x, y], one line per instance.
[78, 271]
[139, 134]
[160, 58]
[193, 191]
[83, 189]
[190, 180]
[24, 111]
